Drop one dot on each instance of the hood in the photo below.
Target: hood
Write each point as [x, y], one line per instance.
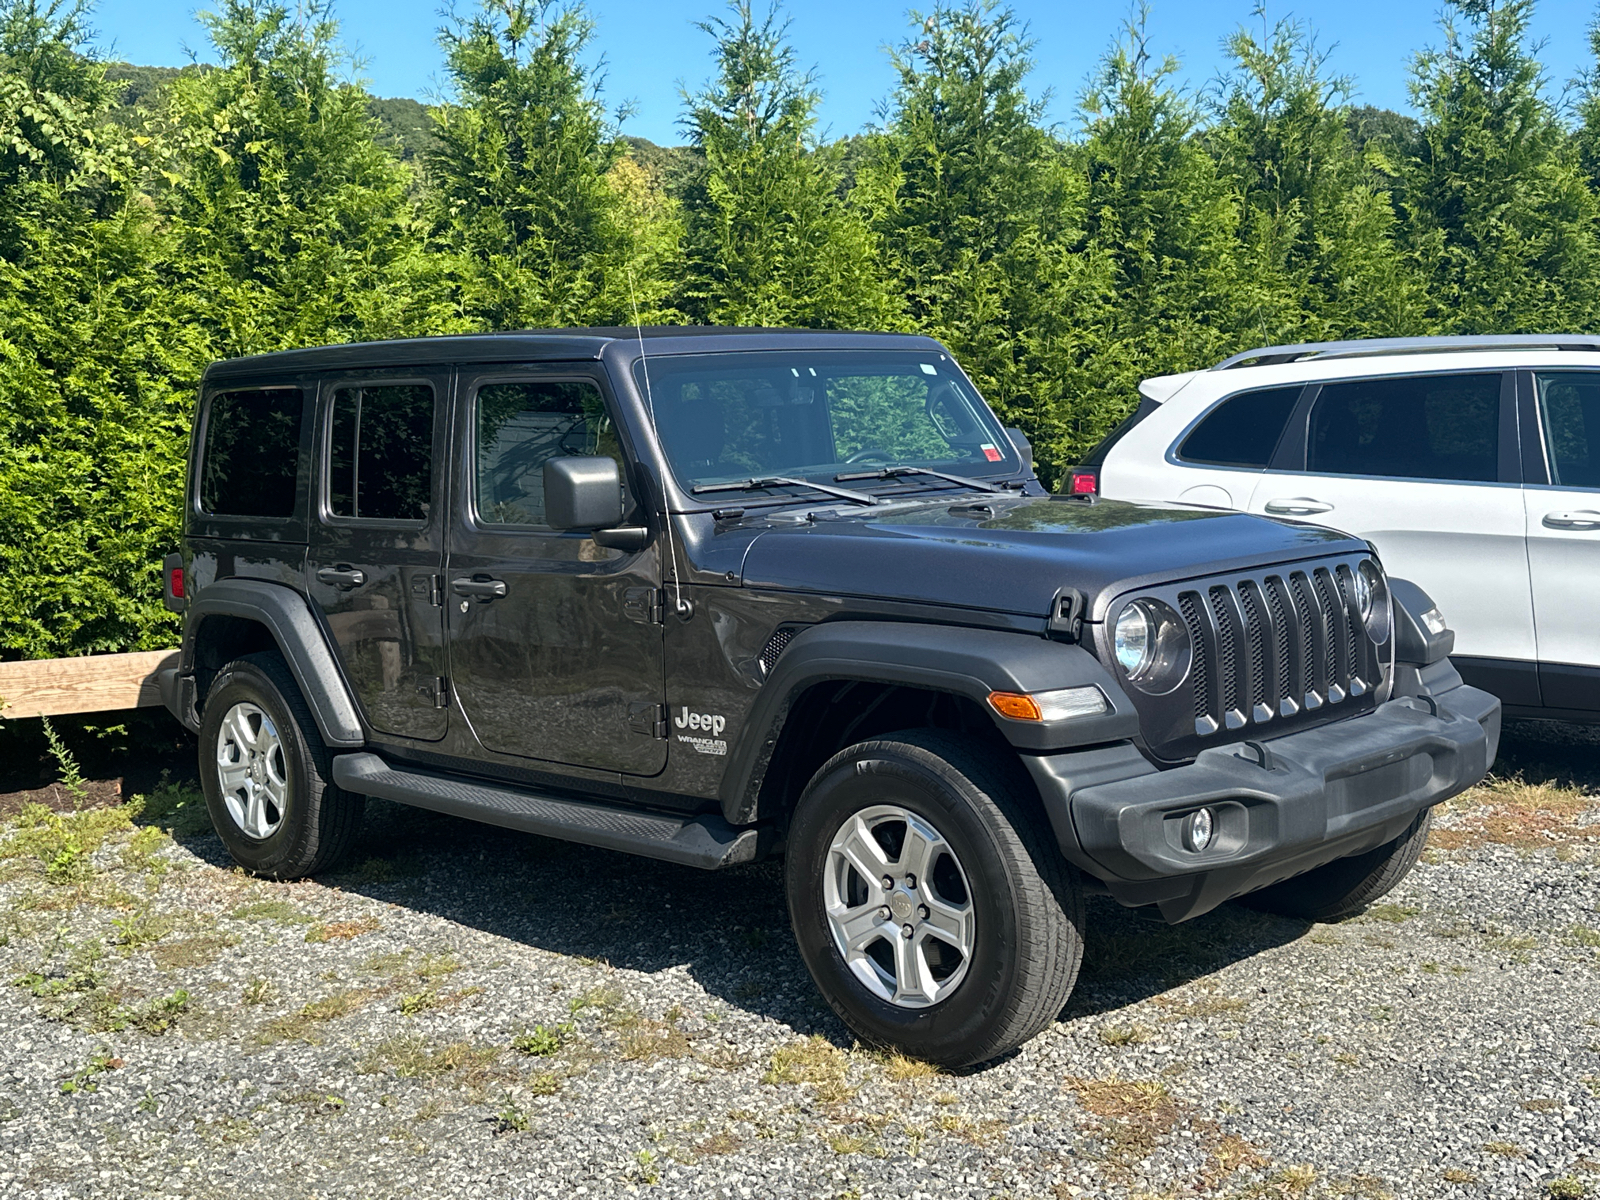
[1012, 554]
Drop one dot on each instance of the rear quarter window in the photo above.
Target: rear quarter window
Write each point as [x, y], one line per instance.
[250, 460]
[1242, 431]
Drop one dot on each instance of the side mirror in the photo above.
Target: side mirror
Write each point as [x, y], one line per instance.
[586, 494]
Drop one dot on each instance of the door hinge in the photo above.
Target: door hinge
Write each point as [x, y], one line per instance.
[648, 719]
[645, 604]
[436, 591]
[438, 688]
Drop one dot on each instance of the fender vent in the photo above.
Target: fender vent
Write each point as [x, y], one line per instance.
[776, 644]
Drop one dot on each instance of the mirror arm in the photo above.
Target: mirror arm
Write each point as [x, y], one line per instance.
[624, 537]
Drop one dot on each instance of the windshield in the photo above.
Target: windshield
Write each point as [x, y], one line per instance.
[818, 414]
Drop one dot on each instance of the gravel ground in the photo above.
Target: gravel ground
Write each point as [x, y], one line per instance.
[468, 1011]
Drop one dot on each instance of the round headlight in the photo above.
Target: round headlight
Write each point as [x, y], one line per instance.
[1152, 647]
[1372, 600]
[1133, 639]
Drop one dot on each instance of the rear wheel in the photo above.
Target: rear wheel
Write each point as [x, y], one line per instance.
[1345, 886]
[267, 776]
[929, 899]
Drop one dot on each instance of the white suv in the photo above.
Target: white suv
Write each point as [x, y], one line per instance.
[1472, 464]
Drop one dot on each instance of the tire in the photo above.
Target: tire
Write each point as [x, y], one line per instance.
[1345, 886]
[1023, 913]
[279, 814]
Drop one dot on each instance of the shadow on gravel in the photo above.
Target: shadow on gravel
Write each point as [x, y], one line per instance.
[729, 929]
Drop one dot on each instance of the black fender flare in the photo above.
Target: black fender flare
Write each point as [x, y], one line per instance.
[948, 658]
[287, 615]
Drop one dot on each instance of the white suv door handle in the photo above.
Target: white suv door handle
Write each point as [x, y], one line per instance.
[1583, 519]
[1299, 506]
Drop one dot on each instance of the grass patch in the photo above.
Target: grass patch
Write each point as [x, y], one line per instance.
[542, 1040]
[1132, 1115]
[280, 911]
[1541, 1105]
[1568, 1187]
[61, 843]
[1513, 812]
[431, 1000]
[816, 1061]
[174, 808]
[1504, 1150]
[336, 931]
[1391, 914]
[1192, 1004]
[1457, 1175]
[650, 1041]
[141, 929]
[415, 1058]
[301, 1025]
[1125, 1035]
[1582, 935]
[899, 1067]
[199, 951]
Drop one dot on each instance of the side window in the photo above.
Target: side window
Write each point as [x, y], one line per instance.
[249, 463]
[1569, 408]
[380, 452]
[1422, 427]
[1242, 431]
[523, 425]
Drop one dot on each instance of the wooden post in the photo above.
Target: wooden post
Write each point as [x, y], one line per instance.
[49, 687]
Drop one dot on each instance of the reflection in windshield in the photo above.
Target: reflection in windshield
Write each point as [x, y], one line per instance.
[725, 417]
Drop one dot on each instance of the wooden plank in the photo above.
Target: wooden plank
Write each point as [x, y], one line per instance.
[49, 687]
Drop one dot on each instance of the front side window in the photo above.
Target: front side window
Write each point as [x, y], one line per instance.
[1569, 408]
[520, 426]
[724, 417]
[380, 453]
[251, 458]
[1243, 430]
[1421, 427]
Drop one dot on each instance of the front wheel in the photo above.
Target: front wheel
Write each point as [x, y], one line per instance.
[929, 900]
[1345, 886]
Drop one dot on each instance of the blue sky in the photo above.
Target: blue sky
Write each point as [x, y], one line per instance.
[651, 48]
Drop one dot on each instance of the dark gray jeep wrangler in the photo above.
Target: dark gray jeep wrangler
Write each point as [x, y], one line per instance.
[710, 595]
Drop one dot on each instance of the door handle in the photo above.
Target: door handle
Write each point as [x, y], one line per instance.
[483, 588]
[1299, 506]
[1583, 519]
[341, 577]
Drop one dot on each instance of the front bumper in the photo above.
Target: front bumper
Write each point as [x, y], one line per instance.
[1282, 806]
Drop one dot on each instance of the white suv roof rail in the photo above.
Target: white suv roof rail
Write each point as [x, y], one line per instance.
[1265, 356]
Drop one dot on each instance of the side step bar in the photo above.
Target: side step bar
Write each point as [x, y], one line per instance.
[705, 841]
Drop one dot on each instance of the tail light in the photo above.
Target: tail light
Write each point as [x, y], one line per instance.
[1085, 481]
[176, 597]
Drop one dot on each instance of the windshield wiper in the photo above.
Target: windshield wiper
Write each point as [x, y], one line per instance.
[768, 481]
[896, 472]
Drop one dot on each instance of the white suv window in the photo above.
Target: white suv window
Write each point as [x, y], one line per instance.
[1569, 406]
[1419, 427]
[1242, 431]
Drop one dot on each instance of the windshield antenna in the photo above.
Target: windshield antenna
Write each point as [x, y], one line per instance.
[679, 605]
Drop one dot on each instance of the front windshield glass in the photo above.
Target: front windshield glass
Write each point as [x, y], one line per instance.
[820, 413]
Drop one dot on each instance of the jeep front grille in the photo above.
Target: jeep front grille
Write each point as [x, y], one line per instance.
[1272, 650]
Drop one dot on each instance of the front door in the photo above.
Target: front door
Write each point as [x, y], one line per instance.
[377, 545]
[1424, 467]
[1563, 521]
[555, 642]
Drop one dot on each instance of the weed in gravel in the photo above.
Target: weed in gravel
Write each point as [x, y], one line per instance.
[511, 1118]
[947, 1098]
[1133, 1115]
[225, 1131]
[1504, 1149]
[649, 1041]
[141, 929]
[1391, 914]
[1125, 1035]
[160, 1014]
[83, 1080]
[140, 854]
[1582, 935]
[815, 1061]
[1512, 812]
[62, 842]
[854, 1143]
[280, 911]
[1568, 1187]
[900, 1067]
[431, 1000]
[1457, 1175]
[1292, 1181]
[1191, 1004]
[1231, 1153]
[648, 1172]
[606, 999]
[334, 931]
[175, 808]
[1541, 1105]
[301, 1025]
[724, 1142]
[258, 991]
[545, 1083]
[192, 952]
[543, 1040]
[415, 1058]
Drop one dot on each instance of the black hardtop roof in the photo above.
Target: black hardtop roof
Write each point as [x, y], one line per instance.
[551, 345]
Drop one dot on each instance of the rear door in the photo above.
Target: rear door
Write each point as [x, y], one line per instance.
[1562, 502]
[556, 643]
[377, 544]
[1426, 468]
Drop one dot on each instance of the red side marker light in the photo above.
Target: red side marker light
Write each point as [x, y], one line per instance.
[175, 583]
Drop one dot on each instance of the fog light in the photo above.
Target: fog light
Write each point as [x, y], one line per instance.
[1198, 830]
